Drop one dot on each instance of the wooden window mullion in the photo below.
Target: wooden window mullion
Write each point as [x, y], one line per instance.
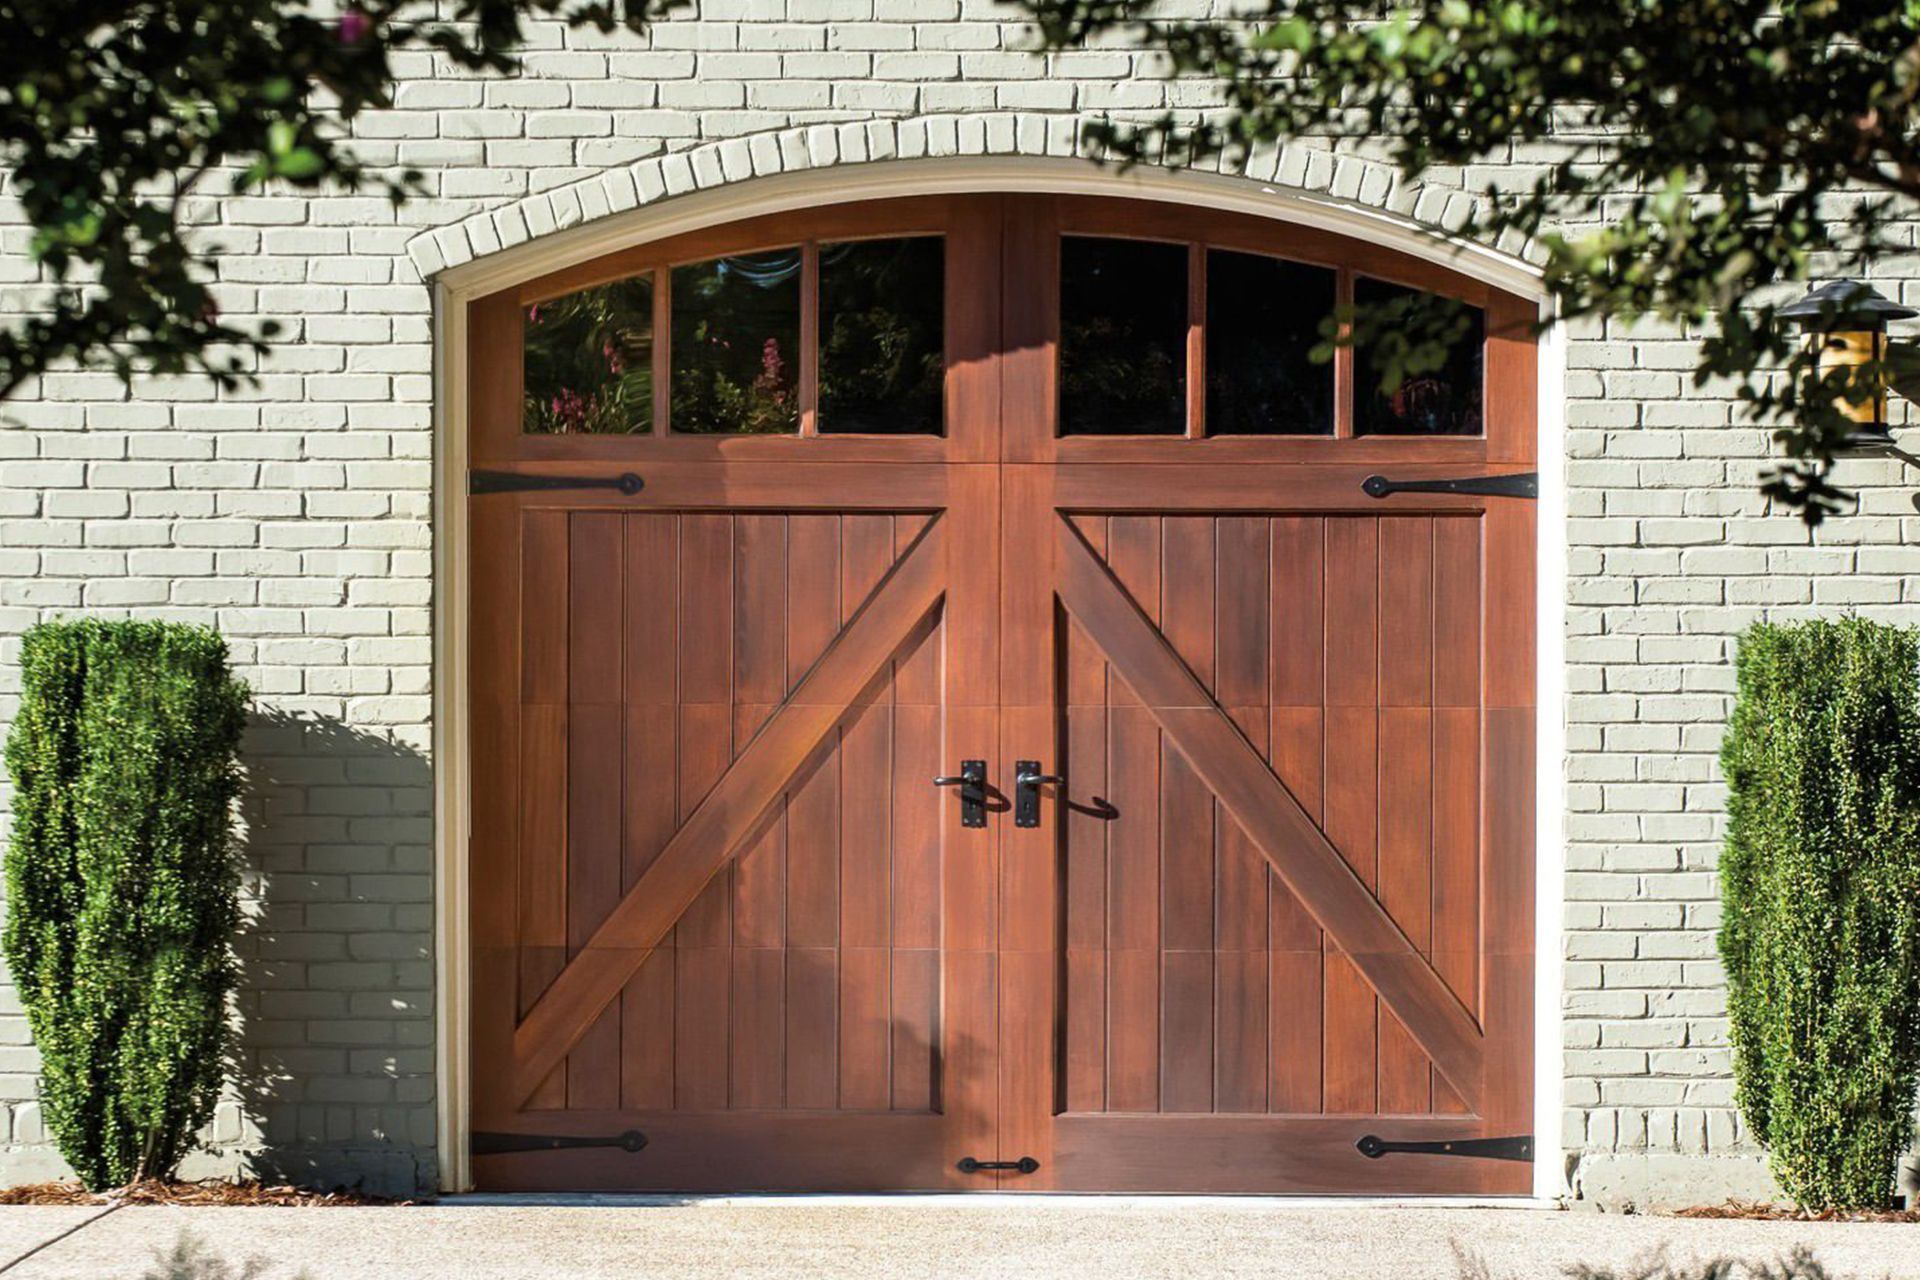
[809, 389]
[662, 349]
[1196, 341]
[1343, 391]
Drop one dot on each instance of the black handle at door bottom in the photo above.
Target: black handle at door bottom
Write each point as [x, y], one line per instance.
[1025, 1164]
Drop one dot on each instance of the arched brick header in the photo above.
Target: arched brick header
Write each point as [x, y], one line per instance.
[1302, 170]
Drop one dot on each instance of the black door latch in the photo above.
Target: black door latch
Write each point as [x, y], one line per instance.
[1027, 781]
[972, 781]
[1025, 1164]
[1519, 1148]
[500, 1144]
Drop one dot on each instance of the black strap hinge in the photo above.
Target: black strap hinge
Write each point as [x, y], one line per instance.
[500, 1144]
[1518, 1148]
[1025, 1164]
[517, 481]
[1521, 484]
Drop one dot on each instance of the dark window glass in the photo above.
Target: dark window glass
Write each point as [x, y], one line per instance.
[736, 344]
[1263, 321]
[881, 344]
[1123, 337]
[1430, 400]
[588, 361]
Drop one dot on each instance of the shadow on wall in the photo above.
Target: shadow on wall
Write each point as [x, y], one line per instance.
[332, 1070]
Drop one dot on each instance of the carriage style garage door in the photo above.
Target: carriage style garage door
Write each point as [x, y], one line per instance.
[949, 712]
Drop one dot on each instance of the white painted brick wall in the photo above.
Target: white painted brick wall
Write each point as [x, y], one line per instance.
[294, 515]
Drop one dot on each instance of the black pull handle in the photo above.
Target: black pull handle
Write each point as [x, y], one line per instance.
[1027, 781]
[972, 781]
[1025, 1164]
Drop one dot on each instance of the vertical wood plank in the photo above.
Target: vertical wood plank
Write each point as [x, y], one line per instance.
[595, 686]
[813, 591]
[646, 1035]
[1186, 834]
[1456, 612]
[702, 978]
[1186, 1037]
[1456, 865]
[757, 1056]
[1350, 777]
[1406, 611]
[916, 826]
[915, 1027]
[1133, 859]
[812, 1034]
[1243, 630]
[866, 1039]
[1406, 886]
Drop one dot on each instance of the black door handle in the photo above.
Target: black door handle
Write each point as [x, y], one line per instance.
[1027, 781]
[972, 781]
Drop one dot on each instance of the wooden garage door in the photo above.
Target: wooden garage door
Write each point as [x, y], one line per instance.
[1268, 929]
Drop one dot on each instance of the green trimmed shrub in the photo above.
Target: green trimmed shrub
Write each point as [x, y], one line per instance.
[1820, 881]
[122, 884]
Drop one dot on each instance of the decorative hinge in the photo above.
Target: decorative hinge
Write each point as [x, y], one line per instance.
[1521, 484]
[1518, 1148]
[500, 1144]
[1025, 1164]
[516, 481]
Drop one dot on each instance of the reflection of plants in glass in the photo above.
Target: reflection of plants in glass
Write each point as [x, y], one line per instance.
[1407, 383]
[1117, 378]
[764, 406]
[881, 362]
[1123, 322]
[589, 361]
[734, 322]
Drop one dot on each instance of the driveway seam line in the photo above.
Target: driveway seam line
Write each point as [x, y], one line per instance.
[75, 1229]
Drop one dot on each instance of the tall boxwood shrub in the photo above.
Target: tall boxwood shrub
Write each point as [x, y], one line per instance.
[121, 884]
[1821, 887]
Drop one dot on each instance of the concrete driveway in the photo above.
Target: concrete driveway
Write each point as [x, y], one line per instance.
[947, 1239]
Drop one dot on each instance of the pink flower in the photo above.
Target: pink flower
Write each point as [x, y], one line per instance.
[616, 363]
[533, 314]
[771, 365]
[569, 410]
[354, 26]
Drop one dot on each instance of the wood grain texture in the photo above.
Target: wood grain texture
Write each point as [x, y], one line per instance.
[1283, 898]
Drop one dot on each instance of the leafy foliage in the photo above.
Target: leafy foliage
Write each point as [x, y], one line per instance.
[589, 360]
[735, 335]
[1821, 887]
[112, 115]
[121, 884]
[1713, 146]
[881, 356]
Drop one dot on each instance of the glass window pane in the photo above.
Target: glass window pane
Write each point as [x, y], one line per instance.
[1123, 337]
[588, 361]
[1263, 321]
[1437, 401]
[736, 344]
[882, 346]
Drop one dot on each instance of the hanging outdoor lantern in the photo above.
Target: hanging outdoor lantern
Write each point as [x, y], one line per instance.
[1847, 320]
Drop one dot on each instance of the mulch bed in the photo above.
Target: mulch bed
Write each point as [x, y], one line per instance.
[213, 1191]
[1788, 1213]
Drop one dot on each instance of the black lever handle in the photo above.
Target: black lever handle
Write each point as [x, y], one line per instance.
[1027, 781]
[972, 781]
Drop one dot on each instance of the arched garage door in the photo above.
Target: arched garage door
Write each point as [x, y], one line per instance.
[798, 544]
